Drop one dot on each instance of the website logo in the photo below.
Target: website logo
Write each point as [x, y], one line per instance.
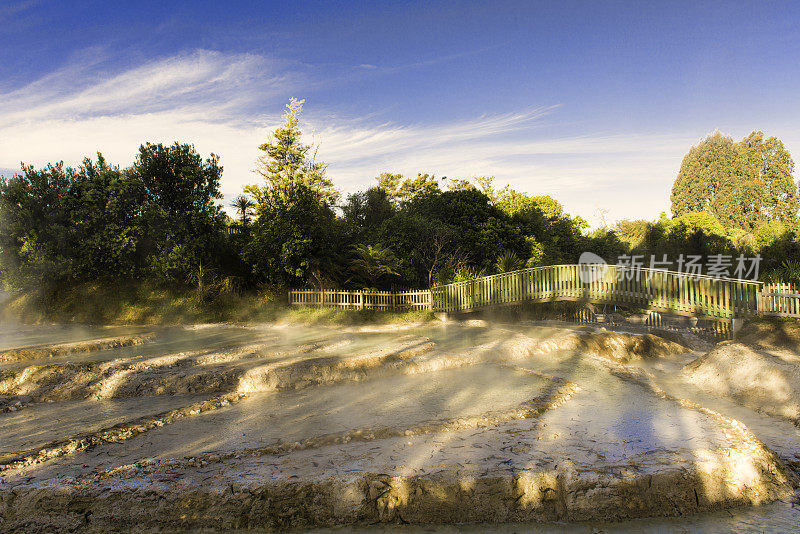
[591, 267]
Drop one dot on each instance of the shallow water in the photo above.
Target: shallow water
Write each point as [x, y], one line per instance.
[595, 414]
[780, 435]
[167, 341]
[14, 335]
[264, 419]
[40, 424]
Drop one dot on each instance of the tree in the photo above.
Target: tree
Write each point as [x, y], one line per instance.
[105, 206]
[740, 184]
[456, 184]
[390, 183]
[402, 190]
[632, 233]
[606, 244]
[556, 236]
[61, 225]
[287, 161]
[182, 221]
[787, 273]
[365, 212]
[293, 236]
[772, 167]
[373, 262]
[459, 227]
[690, 234]
[244, 205]
[425, 246]
[696, 233]
[486, 185]
[707, 176]
[34, 226]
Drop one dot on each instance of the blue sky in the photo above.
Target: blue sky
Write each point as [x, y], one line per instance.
[593, 103]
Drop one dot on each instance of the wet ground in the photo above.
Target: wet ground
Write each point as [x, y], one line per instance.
[446, 423]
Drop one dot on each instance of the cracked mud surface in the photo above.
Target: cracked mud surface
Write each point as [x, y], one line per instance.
[274, 428]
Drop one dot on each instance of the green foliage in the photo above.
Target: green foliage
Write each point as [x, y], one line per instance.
[104, 208]
[606, 244]
[698, 222]
[371, 263]
[244, 207]
[438, 235]
[390, 183]
[770, 170]
[508, 261]
[294, 233]
[365, 212]
[181, 219]
[424, 247]
[35, 226]
[288, 162]
[787, 273]
[740, 184]
[466, 272]
[486, 186]
[537, 252]
[691, 233]
[63, 226]
[544, 219]
[743, 241]
[477, 231]
[402, 190]
[632, 233]
[459, 185]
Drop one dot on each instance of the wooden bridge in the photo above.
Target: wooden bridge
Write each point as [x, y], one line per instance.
[651, 289]
[647, 289]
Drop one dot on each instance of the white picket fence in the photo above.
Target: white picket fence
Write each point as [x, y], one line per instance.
[362, 300]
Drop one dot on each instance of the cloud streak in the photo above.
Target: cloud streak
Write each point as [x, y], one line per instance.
[192, 84]
[228, 103]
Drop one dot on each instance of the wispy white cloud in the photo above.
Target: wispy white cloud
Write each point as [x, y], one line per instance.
[196, 83]
[228, 104]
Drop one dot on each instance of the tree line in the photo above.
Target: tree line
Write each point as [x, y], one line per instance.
[161, 220]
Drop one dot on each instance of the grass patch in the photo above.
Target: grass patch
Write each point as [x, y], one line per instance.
[773, 320]
[143, 304]
[139, 304]
[333, 316]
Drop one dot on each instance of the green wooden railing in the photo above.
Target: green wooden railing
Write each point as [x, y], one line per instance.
[653, 289]
[650, 289]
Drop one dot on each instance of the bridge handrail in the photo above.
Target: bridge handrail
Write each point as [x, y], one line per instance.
[653, 289]
[610, 266]
[659, 289]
